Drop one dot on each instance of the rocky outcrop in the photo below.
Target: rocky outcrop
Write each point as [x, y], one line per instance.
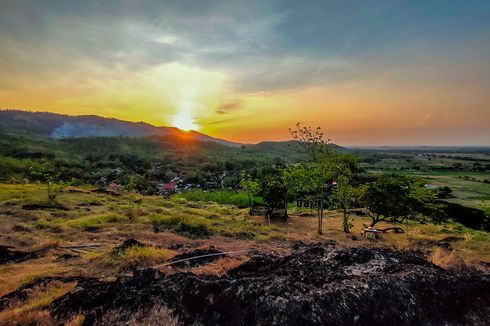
[317, 285]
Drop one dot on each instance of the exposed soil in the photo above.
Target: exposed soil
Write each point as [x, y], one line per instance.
[316, 285]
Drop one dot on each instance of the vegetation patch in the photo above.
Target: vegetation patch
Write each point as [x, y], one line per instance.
[187, 226]
[137, 256]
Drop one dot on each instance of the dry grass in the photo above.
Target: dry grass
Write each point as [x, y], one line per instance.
[33, 317]
[136, 256]
[14, 275]
[156, 316]
[221, 266]
[100, 218]
[447, 259]
[39, 298]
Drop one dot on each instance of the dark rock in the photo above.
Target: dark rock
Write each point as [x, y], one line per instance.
[451, 239]
[7, 255]
[318, 286]
[176, 246]
[126, 245]
[30, 207]
[63, 257]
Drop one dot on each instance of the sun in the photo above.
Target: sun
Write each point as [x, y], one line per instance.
[184, 122]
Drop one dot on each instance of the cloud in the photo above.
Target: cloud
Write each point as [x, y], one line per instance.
[228, 107]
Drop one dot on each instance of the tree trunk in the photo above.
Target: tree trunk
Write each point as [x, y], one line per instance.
[249, 205]
[346, 221]
[319, 218]
[374, 220]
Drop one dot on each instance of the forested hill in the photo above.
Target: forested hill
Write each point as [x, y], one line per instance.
[52, 125]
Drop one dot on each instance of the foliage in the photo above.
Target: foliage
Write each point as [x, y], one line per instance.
[274, 191]
[134, 200]
[49, 175]
[314, 178]
[223, 197]
[250, 187]
[395, 198]
[342, 194]
[192, 228]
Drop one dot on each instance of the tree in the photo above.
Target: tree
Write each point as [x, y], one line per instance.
[343, 193]
[251, 188]
[396, 198]
[274, 192]
[312, 177]
[49, 175]
[134, 201]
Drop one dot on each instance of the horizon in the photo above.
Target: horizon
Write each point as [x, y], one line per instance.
[354, 146]
[377, 74]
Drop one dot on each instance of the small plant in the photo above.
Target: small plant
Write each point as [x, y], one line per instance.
[49, 175]
[134, 201]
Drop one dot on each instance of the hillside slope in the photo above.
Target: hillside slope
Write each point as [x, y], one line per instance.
[52, 125]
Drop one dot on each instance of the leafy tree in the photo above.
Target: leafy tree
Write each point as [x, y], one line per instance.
[312, 177]
[274, 192]
[49, 175]
[395, 198]
[250, 187]
[343, 193]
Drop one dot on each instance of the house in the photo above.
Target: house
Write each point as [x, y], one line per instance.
[169, 186]
[113, 186]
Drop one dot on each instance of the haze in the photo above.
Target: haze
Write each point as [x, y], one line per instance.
[367, 72]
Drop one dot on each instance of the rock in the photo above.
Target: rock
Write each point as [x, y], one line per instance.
[7, 254]
[320, 285]
[126, 245]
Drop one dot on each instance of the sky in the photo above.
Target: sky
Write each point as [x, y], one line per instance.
[367, 72]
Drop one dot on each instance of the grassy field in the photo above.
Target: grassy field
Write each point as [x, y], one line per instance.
[77, 237]
[465, 173]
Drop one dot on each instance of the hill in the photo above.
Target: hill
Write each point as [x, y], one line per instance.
[53, 125]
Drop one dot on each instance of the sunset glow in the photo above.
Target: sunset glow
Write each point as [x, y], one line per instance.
[184, 122]
[247, 72]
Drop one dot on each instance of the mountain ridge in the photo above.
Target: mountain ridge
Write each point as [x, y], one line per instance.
[56, 125]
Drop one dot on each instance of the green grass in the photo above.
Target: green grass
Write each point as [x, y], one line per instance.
[223, 197]
[96, 222]
[137, 256]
